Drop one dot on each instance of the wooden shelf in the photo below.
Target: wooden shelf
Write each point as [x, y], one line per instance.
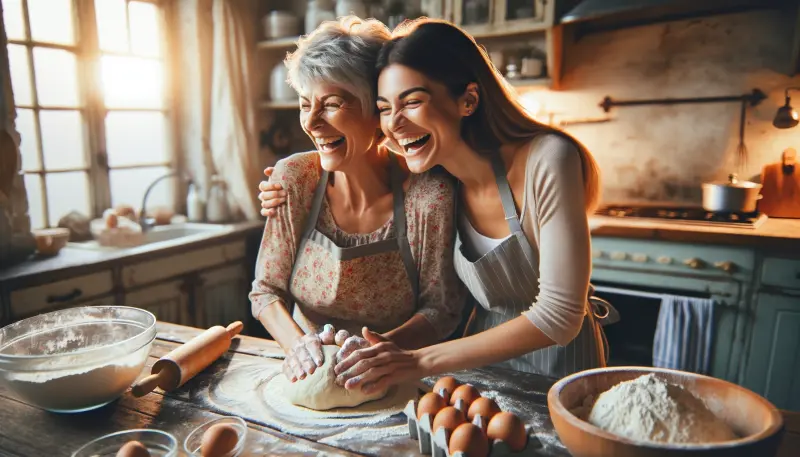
[279, 43]
[481, 31]
[293, 104]
[530, 82]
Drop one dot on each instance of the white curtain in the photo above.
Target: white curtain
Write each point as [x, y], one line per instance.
[216, 48]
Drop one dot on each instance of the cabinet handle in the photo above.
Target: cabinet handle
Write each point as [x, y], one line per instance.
[640, 258]
[66, 297]
[598, 254]
[664, 260]
[618, 255]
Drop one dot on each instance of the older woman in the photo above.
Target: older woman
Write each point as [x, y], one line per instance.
[524, 191]
[358, 242]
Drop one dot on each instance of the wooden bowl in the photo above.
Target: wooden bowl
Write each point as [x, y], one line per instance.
[752, 417]
[50, 241]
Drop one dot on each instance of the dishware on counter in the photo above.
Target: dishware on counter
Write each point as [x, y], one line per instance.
[279, 88]
[731, 196]
[184, 362]
[157, 442]
[749, 415]
[351, 7]
[531, 67]
[317, 12]
[781, 187]
[76, 359]
[50, 241]
[280, 24]
[217, 209]
[201, 436]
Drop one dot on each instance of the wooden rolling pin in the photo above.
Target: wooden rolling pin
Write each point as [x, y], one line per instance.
[180, 365]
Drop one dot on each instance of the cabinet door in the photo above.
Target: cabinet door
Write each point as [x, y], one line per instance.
[221, 296]
[773, 364]
[168, 301]
[42, 298]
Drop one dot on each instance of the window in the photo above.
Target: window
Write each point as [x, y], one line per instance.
[89, 83]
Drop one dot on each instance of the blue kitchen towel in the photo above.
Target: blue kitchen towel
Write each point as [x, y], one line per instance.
[684, 334]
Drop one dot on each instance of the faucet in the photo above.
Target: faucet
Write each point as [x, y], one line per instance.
[142, 220]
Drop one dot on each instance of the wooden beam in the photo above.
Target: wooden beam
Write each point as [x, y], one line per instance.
[555, 55]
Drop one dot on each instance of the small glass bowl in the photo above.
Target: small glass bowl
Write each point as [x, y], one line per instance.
[192, 443]
[157, 442]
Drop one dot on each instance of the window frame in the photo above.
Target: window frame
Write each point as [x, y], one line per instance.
[88, 54]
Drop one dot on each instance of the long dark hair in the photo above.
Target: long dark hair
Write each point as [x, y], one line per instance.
[448, 55]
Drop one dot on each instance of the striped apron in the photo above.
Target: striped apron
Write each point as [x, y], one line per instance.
[504, 283]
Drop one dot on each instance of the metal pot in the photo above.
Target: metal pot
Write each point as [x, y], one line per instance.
[731, 196]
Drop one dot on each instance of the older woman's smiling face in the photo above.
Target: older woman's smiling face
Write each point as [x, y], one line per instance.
[335, 121]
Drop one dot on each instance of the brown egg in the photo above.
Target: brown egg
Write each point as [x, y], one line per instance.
[430, 403]
[133, 449]
[449, 418]
[218, 440]
[464, 392]
[509, 428]
[470, 440]
[112, 221]
[486, 407]
[447, 383]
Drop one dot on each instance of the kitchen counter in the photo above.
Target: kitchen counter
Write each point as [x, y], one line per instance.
[30, 431]
[74, 256]
[773, 234]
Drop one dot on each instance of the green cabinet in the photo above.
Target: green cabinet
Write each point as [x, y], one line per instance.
[773, 362]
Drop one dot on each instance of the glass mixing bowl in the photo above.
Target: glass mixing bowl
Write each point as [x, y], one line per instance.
[157, 442]
[76, 359]
[192, 443]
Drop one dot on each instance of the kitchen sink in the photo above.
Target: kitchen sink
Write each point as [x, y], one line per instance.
[167, 233]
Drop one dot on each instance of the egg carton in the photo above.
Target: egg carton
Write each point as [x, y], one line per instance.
[435, 444]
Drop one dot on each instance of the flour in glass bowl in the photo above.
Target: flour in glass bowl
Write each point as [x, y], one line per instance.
[650, 409]
[73, 389]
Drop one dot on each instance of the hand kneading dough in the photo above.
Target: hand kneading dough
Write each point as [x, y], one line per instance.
[319, 390]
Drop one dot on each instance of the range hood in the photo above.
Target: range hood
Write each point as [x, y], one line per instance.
[608, 14]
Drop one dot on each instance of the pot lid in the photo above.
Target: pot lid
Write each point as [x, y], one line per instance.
[733, 181]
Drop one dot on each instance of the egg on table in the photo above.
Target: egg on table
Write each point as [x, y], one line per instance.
[469, 439]
[464, 392]
[449, 417]
[133, 449]
[430, 404]
[509, 428]
[218, 440]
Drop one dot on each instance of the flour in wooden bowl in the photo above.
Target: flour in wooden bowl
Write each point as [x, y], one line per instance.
[649, 409]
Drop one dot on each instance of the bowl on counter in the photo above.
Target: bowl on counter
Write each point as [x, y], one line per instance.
[157, 442]
[754, 419]
[192, 444]
[76, 359]
[51, 240]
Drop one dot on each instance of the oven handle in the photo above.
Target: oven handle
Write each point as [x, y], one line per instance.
[643, 294]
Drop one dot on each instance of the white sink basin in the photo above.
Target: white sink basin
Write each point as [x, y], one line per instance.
[174, 232]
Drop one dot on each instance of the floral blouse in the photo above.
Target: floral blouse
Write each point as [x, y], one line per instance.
[429, 207]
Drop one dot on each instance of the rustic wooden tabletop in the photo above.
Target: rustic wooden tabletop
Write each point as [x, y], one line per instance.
[29, 431]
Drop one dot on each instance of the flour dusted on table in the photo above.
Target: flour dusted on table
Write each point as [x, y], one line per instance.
[650, 409]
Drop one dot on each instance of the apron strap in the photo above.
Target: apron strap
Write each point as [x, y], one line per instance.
[506, 196]
[308, 229]
[399, 209]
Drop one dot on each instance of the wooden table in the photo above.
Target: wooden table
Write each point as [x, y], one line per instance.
[29, 431]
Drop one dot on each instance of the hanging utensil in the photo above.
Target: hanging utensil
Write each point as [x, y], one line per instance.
[741, 149]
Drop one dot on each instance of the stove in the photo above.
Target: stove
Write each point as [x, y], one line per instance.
[684, 215]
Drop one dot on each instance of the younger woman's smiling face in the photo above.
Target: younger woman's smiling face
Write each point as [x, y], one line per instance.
[334, 120]
[418, 115]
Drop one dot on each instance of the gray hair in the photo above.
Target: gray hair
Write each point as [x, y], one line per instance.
[342, 53]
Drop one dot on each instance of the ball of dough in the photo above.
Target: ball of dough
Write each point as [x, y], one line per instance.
[319, 390]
